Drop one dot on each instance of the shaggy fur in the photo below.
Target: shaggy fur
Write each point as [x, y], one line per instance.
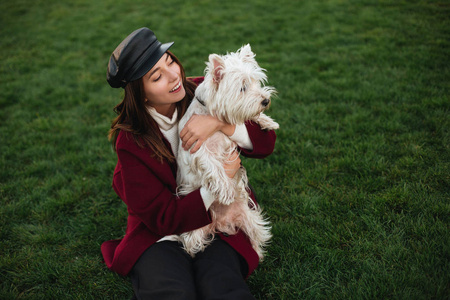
[234, 92]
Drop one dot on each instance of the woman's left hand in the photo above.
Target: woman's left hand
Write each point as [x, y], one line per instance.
[232, 164]
[199, 128]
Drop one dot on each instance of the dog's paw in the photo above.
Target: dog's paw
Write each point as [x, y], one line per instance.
[273, 126]
[266, 122]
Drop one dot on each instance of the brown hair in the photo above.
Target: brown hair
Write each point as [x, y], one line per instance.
[134, 118]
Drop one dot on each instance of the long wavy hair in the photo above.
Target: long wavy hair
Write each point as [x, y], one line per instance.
[133, 116]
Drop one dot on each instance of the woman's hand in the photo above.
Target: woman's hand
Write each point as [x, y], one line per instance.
[199, 128]
[232, 164]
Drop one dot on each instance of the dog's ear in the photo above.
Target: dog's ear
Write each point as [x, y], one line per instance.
[217, 64]
[247, 53]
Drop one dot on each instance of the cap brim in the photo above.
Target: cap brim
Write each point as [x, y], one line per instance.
[149, 63]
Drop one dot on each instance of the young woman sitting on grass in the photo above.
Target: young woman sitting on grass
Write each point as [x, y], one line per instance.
[145, 138]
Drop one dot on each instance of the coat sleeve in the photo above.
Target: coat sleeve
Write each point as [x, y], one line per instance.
[139, 185]
[263, 141]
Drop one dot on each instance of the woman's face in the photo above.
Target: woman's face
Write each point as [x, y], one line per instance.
[163, 85]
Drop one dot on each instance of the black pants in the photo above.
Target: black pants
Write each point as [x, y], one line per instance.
[166, 271]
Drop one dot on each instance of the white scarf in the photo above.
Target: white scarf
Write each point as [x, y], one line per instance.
[168, 127]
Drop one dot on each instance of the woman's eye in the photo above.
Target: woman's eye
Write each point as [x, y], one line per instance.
[156, 79]
[171, 62]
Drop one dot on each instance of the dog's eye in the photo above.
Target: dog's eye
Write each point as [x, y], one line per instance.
[243, 89]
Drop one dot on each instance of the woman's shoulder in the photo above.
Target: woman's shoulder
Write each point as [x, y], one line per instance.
[196, 80]
[127, 146]
[126, 141]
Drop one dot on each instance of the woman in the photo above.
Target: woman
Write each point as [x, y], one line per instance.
[145, 137]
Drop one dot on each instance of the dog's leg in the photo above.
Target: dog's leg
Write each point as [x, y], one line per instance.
[197, 240]
[207, 163]
[239, 216]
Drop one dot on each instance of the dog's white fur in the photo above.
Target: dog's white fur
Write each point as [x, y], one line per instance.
[233, 91]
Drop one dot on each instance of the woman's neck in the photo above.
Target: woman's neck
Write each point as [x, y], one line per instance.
[166, 110]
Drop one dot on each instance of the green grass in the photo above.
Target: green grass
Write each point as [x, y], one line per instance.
[357, 189]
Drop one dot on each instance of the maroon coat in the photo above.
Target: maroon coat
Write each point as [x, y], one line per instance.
[148, 187]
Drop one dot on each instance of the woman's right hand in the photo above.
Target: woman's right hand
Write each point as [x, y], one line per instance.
[232, 164]
[199, 128]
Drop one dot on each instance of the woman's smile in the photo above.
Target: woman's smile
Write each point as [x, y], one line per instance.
[177, 88]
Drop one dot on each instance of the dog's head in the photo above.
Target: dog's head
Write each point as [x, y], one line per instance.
[234, 89]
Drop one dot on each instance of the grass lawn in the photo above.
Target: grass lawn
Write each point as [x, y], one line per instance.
[357, 190]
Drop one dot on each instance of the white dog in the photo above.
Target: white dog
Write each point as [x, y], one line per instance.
[234, 92]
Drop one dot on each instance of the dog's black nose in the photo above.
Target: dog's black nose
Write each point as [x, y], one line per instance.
[265, 102]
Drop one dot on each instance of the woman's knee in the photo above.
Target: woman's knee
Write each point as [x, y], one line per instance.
[219, 273]
[164, 271]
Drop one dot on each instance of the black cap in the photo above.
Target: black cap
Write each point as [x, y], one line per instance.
[134, 57]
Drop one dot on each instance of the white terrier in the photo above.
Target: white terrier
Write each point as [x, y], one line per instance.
[234, 92]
